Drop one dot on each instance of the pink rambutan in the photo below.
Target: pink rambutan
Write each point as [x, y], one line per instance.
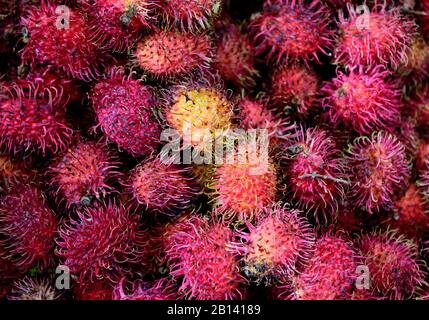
[378, 169]
[60, 38]
[167, 54]
[376, 36]
[365, 100]
[32, 119]
[277, 246]
[34, 289]
[124, 111]
[293, 30]
[102, 242]
[161, 289]
[393, 263]
[27, 225]
[85, 171]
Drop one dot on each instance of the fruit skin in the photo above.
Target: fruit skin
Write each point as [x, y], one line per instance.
[32, 120]
[84, 172]
[98, 290]
[294, 85]
[170, 54]
[317, 177]
[382, 36]
[124, 112]
[67, 47]
[235, 57]
[292, 30]
[27, 225]
[108, 236]
[116, 24]
[393, 263]
[161, 187]
[363, 99]
[161, 289]
[378, 169]
[277, 246]
[193, 15]
[217, 276]
[34, 289]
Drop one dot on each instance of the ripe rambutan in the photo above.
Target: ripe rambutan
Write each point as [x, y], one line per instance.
[378, 169]
[27, 225]
[102, 242]
[277, 246]
[34, 289]
[31, 119]
[393, 263]
[162, 289]
[207, 266]
[235, 57]
[362, 99]
[124, 111]
[293, 30]
[167, 54]
[191, 15]
[294, 86]
[85, 171]
[376, 36]
[162, 187]
[98, 290]
[316, 172]
[60, 37]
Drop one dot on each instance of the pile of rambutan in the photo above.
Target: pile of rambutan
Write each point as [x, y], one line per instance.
[214, 149]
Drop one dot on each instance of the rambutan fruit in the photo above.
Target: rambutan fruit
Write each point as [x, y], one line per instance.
[102, 242]
[422, 156]
[84, 172]
[363, 99]
[411, 215]
[294, 86]
[33, 120]
[378, 169]
[34, 289]
[124, 112]
[330, 273]
[192, 15]
[277, 246]
[235, 57]
[393, 263]
[98, 290]
[161, 186]
[381, 36]
[204, 175]
[10, 168]
[316, 172]
[416, 67]
[419, 107]
[424, 19]
[62, 40]
[293, 30]
[161, 289]
[27, 225]
[167, 54]
[207, 266]
[117, 24]
[199, 113]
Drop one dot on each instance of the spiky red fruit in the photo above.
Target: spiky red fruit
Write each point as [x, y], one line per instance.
[378, 169]
[293, 30]
[61, 38]
[365, 100]
[34, 289]
[424, 19]
[294, 86]
[381, 36]
[217, 276]
[330, 273]
[99, 290]
[117, 24]
[393, 263]
[277, 246]
[123, 107]
[235, 57]
[167, 54]
[32, 120]
[85, 171]
[316, 172]
[102, 242]
[27, 225]
[161, 186]
[192, 15]
[162, 289]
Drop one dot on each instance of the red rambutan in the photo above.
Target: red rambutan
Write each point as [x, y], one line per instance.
[98, 290]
